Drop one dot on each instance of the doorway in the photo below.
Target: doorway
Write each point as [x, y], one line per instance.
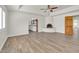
[68, 25]
[76, 25]
[72, 26]
[33, 27]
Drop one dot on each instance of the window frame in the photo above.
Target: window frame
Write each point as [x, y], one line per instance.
[1, 18]
[2, 23]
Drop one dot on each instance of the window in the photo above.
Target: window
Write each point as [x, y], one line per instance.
[75, 23]
[2, 18]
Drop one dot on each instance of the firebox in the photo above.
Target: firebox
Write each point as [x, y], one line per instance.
[49, 26]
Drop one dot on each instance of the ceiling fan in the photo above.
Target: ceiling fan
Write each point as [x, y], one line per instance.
[49, 8]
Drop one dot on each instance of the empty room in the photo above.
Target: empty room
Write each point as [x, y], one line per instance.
[39, 28]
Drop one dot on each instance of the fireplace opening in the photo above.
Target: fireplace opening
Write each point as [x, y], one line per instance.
[49, 26]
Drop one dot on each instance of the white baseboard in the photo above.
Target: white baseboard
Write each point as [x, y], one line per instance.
[17, 34]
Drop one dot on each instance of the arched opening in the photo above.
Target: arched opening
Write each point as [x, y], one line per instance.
[49, 26]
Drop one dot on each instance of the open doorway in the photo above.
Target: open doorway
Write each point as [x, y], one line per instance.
[76, 25]
[33, 27]
[72, 25]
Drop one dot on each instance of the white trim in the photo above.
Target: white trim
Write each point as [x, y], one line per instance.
[18, 34]
[3, 43]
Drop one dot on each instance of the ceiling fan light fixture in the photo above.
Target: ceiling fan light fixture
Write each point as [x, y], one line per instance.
[50, 8]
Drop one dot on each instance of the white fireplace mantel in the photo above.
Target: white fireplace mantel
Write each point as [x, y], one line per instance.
[49, 20]
[49, 29]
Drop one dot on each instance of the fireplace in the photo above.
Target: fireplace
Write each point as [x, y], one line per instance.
[49, 26]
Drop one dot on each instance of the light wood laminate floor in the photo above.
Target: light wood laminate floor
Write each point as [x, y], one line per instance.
[41, 43]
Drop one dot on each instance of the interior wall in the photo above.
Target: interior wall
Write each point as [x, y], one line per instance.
[3, 32]
[19, 22]
[59, 20]
[48, 20]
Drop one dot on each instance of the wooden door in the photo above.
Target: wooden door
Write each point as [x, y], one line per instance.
[69, 25]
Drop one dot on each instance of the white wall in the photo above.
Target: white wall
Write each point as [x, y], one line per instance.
[59, 20]
[59, 23]
[48, 20]
[3, 32]
[19, 21]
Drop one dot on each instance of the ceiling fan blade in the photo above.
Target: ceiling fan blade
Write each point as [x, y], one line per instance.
[54, 8]
[50, 6]
[49, 9]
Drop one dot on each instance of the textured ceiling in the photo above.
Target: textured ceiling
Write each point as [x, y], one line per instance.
[34, 8]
